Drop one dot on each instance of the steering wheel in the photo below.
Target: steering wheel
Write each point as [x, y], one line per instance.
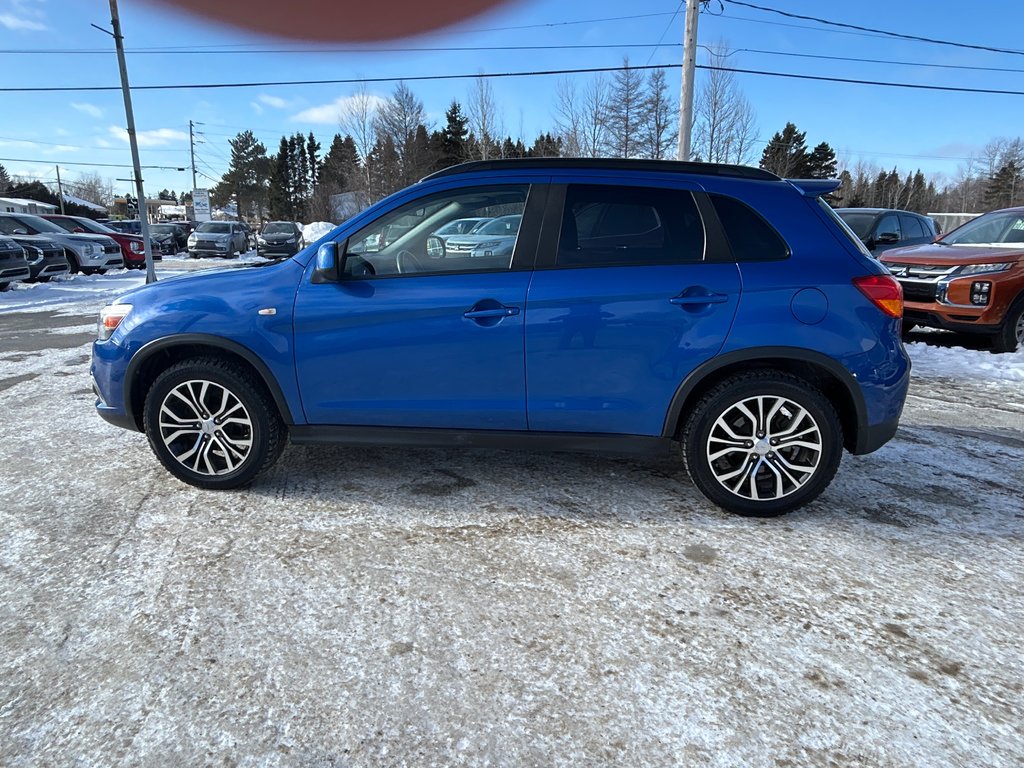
[408, 262]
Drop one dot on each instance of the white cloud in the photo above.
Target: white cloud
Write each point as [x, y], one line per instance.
[60, 148]
[331, 113]
[13, 22]
[258, 109]
[155, 138]
[87, 108]
[274, 101]
[103, 143]
[24, 16]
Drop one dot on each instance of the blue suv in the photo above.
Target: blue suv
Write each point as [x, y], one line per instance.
[643, 304]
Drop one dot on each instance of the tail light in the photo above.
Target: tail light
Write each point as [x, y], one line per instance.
[884, 291]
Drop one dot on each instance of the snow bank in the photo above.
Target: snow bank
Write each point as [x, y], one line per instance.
[960, 363]
[314, 231]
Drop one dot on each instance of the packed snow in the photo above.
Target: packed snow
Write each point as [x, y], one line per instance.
[438, 607]
[314, 231]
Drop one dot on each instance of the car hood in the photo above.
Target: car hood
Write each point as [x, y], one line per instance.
[250, 278]
[40, 241]
[211, 235]
[951, 254]
[463, 241]
[279, 237]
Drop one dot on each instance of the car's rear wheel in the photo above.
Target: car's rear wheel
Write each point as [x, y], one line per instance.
[762, 443]
[1011, 333]
[212, 423]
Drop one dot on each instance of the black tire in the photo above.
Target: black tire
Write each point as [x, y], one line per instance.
[720, 401]
[907, 327]
[5, 287]
[1009, 337]
[72, 263]
[265, 430]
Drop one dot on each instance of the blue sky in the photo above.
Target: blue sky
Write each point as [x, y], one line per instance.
[909, 129]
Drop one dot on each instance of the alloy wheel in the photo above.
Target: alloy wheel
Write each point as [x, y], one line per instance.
[205, 427]
[764, 447]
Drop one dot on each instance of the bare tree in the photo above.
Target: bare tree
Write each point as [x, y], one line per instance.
[593, 130]
[484, 119]
[724, 122]
[398, 119]
[659, 115]
[358, 119]
[91, 187]
[624, 111]
[569, 118]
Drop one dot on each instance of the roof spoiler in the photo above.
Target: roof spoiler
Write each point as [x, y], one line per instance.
[815, 187]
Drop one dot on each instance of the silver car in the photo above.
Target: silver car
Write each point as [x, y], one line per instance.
[86, 252]
[226, 239]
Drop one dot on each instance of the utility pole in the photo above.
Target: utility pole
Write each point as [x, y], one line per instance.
[60, 190]
[689, 71]
[192, 152]
[115, 22]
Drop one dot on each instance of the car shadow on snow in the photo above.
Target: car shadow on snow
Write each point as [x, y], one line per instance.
[912, 483]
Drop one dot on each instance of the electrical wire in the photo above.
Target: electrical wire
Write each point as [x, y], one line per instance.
[50, 161]
[529, 73]
[885, 32]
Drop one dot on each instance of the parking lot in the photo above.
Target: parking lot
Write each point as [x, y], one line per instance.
[435, 607]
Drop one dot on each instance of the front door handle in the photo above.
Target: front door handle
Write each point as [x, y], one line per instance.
[496, 312]
[690, 301]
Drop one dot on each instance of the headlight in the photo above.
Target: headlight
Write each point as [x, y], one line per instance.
[111, 317]
[981, 269]
[260, 240]
[89, 250]
[33, 255]
[135, 246]
[290, 240]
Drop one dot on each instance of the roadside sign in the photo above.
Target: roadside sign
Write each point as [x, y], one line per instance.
[201, 204]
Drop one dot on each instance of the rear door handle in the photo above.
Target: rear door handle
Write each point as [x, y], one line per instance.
[689, 301]
[497, 312]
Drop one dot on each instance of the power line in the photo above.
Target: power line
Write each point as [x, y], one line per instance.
[528, 73]
[665, 32]
[869, 61]
[418, 49]
[79, 146]
[50, 161]
[885, 32]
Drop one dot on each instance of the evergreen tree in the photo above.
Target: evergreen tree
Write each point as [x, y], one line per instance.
[546, 145]
[246, 178]
[1004, 186]
[280, 193]
[312, 150]
[821, 164]
[786, 154]
[5, 179]
[454, 136]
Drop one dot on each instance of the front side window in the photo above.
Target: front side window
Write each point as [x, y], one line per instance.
[629, 226]
[889, 225]
[997, 228]
[407, 241]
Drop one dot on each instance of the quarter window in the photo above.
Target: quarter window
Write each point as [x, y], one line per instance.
[751, 238]
[610, 226]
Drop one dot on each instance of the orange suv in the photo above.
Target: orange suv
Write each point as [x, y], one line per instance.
[970, 280]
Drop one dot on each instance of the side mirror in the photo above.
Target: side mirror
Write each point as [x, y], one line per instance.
[435, 247]
[328, 264]
[78, 230]
[888, 238]
[20, 231]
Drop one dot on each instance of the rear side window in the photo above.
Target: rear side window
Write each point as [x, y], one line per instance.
[629, 226]
[912, 226]
[750, 236]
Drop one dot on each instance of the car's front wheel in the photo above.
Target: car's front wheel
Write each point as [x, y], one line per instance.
[762, 443]
[1011, 332]
[212, 423]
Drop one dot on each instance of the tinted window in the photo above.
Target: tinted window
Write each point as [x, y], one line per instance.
[889, 223]
[604, 226]
[750, 237]
[912, 227]
[213, 227]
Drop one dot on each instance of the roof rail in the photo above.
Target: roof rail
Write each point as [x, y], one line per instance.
[604, 164]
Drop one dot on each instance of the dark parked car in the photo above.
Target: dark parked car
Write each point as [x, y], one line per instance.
[173, 238]
[45, 257]
[644, 302]
[85, 251]
[279, 238]
[13, 266]
[883, 228]
[132, 249]
[126, 226]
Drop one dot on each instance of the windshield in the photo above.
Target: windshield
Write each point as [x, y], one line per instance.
[161, 229]
[858, 221]
[1004, 228]
[279, 228]
[214, 227]
[29, 223]
[506, 225]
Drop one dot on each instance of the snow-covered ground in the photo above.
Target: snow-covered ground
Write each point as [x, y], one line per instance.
[438, 607]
